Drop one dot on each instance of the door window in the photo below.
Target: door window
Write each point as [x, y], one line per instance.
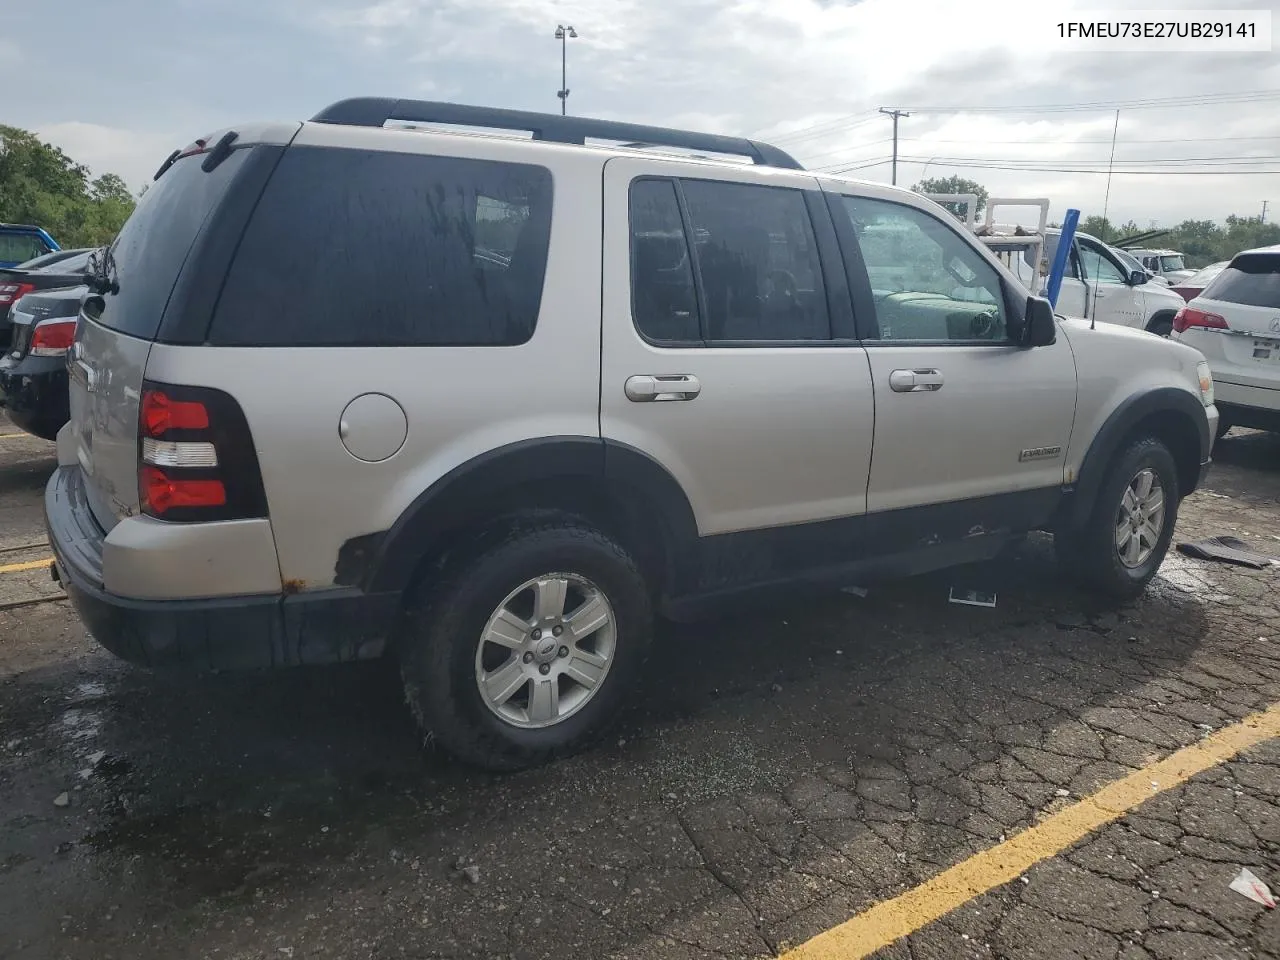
[664, 301]
[757, 258]
[927, 282]
[1098, 266]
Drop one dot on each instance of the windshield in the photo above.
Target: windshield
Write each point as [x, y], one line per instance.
[1172, 263]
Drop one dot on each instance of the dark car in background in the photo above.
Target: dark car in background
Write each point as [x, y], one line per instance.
[17, 282]
[39, 304]
[33, 371]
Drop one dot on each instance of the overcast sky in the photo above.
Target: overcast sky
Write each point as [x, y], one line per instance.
[132, 79]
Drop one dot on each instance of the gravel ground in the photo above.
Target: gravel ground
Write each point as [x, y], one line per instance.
[779, 773]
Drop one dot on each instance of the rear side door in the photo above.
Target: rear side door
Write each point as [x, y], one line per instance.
[1114, 299]
[964, 417]
[728, 355]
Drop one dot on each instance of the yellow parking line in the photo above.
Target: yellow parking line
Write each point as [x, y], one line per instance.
[6, 436]
[19, 567]
[890, 920]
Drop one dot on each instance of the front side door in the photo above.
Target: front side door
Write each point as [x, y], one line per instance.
[961, 412]
[718, 356]
[1114, 299]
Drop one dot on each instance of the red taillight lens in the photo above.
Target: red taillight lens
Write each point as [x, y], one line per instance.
[52, 338]
[1188, 317]
[162, 493]
[160, 414]
[12, 292]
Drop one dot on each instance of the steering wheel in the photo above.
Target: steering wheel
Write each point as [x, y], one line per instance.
[779, 283]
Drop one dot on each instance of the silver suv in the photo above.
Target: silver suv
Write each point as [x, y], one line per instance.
[489, 404]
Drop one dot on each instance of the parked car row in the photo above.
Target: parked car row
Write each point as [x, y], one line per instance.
[39, 303]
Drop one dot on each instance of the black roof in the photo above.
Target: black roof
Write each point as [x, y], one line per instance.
[376, 111]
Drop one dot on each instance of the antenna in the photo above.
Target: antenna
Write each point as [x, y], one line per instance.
[1106, 202]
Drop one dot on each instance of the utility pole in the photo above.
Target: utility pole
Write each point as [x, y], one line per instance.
[563, 34]
[895, 114]
[1263, 218]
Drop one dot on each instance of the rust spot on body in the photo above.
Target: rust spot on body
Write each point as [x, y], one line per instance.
[294, 586]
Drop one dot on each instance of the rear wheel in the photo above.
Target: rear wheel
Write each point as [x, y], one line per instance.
[526, 653]
[1127, 534]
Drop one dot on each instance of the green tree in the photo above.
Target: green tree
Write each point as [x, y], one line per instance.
[1099, 227]
[40, 184]
[954, 184]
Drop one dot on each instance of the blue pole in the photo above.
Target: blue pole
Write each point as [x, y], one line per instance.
[1059, 267]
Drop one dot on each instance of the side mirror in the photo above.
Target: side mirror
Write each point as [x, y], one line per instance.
[1137, 278]
[1040, 328]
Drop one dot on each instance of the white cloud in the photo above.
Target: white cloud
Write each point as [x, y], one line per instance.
[131, 154]
[776, 69]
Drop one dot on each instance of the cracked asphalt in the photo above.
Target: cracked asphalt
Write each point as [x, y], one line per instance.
[780, 772]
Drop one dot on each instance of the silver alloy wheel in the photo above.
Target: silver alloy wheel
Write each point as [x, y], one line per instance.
[1140, 519]
[546, 650]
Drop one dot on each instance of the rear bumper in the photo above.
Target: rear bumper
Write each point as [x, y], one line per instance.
[222, 633]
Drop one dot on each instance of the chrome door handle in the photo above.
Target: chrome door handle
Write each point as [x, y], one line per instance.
[926, 380]
[647, 389]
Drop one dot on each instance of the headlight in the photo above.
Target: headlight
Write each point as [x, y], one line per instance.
[1206, 383]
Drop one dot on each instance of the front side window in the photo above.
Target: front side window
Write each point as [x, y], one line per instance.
[927, 282]
[1098, 266]
[757, 257]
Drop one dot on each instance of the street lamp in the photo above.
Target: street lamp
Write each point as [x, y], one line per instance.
[563, 34]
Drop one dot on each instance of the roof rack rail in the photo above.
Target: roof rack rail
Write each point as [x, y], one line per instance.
[376, 111]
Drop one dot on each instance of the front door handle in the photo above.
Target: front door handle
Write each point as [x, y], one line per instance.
[650, 389]
[924, 380]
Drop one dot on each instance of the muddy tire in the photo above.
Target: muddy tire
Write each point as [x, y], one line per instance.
[526, 651]
[1126, 536]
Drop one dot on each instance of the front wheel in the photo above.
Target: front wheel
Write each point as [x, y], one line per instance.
[526, 653]
[1127, 534]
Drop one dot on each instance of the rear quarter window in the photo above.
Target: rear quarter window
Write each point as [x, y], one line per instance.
[1252, 280]
[368, 248]
[153, 245]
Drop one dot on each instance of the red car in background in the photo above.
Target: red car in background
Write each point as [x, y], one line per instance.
[1190, 288]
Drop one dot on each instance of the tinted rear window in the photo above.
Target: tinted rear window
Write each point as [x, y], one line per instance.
[1252, 280]
[153, 245]
[364, 248]
[19, 247]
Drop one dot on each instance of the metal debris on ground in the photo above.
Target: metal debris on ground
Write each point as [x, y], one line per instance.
[972, 598]
[1248, 885]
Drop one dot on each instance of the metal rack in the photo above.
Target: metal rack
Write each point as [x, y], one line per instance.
[377, 111]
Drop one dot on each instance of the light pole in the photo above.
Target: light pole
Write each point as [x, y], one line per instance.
[896, 114]
[563, 34]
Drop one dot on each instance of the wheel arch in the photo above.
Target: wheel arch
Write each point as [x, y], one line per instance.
[1159, 317]
[611, 485]
[1173, 416]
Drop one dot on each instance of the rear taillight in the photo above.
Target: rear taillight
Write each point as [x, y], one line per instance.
[11, 293]
[196, 458]
[1188, 317]
[52, 338]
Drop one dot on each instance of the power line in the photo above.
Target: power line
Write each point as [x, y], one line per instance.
[1103, 140]
[1148, 103]
[825, 128]
[979, 165]
[844, 150]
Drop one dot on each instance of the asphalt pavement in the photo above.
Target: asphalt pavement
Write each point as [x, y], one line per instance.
[781, 772]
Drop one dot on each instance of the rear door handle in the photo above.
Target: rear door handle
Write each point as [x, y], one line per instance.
[922, 380]
[650, 389]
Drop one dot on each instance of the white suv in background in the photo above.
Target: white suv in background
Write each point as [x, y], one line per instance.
[1099, 285]
[1235, 323]
[485, 404]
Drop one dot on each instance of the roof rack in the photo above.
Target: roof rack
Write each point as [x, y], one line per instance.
[376, 111]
